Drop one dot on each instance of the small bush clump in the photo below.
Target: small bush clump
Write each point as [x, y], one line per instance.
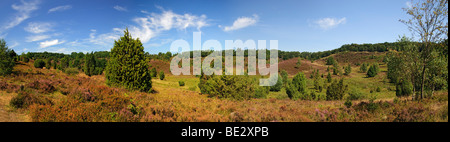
[162, 75]
[181, 83]
[39, 63]
[25, 99]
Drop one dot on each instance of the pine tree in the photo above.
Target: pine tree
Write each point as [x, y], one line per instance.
[329, 79]
[6, 59]
[363, 68]
[373, 71]
[162, 75]
[347, 70]
[298, 64]
[90, 64]
[128, 66]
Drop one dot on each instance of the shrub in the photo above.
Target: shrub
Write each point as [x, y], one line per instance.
[161, 75]
[336, 90]
[355, 95]
[330, 61]
[297, 88]
[277, 87]
[347, 70]
[71, 71]
[26, 59]
[44, 86]
[363, 68]
[153, 72]
[404, 88]
[181, 83]
[298, 64]
[284, 77]
[378, 89]
[6, 59]
[230, 86]
[39, 63]
[25, 99]
[348, 103]
[48, 63]
[329, 79]
[373, 70]
[128, 65]
[261, 92]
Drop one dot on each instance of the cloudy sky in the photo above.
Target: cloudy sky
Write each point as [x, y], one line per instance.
[299, 25]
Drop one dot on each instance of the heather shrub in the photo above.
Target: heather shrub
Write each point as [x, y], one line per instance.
[71, 71]
[43, 86]
[128, 65]
[25, 99]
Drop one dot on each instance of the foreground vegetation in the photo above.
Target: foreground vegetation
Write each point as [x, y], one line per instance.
[34, 94]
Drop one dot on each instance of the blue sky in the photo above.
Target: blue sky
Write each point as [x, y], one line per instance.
[299, 25]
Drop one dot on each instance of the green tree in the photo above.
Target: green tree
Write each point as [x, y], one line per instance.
[428, 20]
[297, 88]
[298, 64]
[336, 90]
[162, 75]
[39, 63]
[277, 87]
[336, 69]
[372, 72]
[329, 79]
[6, 59]
[90, 64]
[363, 68]
[330, 61]
[347, 70]
[64, 63]
[128, 66]
[48, 63]
[153, 72]
[284, 77]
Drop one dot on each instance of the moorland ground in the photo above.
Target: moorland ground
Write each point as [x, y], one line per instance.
[52, 95]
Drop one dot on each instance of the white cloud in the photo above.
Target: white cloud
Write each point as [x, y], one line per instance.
[24, 10]
[241, 22]
[329, 23]
[149, 27]
[37, 38]
[104, 39]
[38, 27]
[50, 43]
[409, 4]
[119, 8]
[153, 24]
[15, 44]
[60, 8]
